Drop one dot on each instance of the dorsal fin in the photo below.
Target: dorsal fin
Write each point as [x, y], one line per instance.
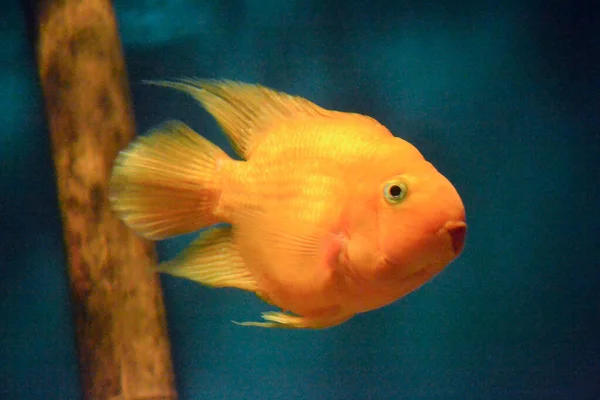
[244, 111]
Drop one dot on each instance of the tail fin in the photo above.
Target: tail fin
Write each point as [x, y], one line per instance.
[167, 183]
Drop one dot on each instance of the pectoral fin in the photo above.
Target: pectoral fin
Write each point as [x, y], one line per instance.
[298, 256]
[212, 260]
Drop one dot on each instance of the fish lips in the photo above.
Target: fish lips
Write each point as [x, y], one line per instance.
[457, 230]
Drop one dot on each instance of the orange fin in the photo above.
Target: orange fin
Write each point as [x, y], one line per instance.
[244, 111]
[212, 260]
[274, 319]
[166, 184]
[290, 251]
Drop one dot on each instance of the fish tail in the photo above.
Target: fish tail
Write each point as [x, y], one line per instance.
[167, 183]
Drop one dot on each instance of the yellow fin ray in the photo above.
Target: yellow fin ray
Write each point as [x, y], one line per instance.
[244, 111]
[166, 184]
[276, 319]
[212, 260]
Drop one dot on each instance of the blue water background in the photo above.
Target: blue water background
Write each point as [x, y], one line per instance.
[503, 97]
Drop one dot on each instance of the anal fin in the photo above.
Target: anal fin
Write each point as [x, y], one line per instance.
[212, 260]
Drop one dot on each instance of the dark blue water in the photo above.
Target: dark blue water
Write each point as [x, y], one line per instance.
[503, 97]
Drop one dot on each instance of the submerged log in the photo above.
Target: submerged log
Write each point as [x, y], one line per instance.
[119, 314]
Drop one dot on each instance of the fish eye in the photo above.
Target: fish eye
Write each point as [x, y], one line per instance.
[395, 191]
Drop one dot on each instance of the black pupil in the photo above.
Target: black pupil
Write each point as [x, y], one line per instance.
[395, 191]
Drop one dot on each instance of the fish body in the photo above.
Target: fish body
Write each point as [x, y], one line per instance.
[328, 213]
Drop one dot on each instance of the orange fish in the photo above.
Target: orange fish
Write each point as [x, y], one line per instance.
[328, 215]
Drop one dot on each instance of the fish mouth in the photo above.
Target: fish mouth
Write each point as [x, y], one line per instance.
[452, 239]
[457, 230]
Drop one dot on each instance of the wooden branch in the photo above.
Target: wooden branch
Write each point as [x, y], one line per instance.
[119, 315]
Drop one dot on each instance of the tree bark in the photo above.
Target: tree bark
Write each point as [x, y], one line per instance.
[119, 314]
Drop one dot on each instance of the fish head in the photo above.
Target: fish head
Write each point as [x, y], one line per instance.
[417, 224]
[421, 218]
